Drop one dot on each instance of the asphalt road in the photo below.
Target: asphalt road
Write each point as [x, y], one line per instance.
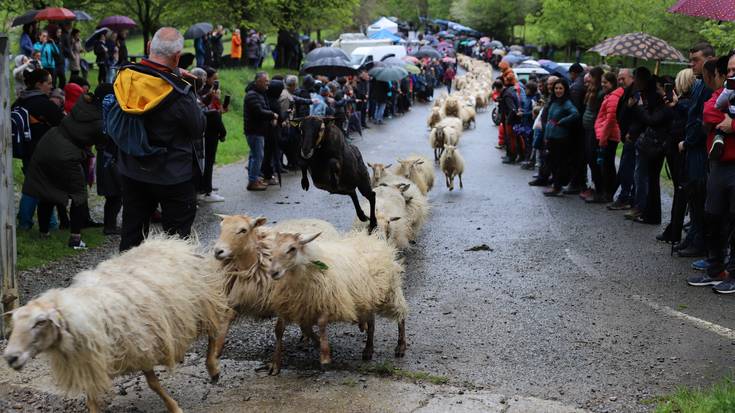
[571, 303]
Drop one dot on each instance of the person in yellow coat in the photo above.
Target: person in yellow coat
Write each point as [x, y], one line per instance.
[236, 50]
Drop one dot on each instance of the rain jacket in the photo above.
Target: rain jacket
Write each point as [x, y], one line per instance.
[56, 173]
[561, 119]
[173, 121]
[606, 124]
[236, 48]
[48, 50]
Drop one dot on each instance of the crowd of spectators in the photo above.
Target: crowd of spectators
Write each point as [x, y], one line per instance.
[569, 131]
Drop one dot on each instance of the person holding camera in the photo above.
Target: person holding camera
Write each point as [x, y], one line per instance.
[210, 95]
[257, 117]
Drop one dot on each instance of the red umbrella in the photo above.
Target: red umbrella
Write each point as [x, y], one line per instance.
[117, 23]
[55, 14]
[410, 59]
[722, 10]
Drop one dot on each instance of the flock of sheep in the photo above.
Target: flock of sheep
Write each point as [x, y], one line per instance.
[147, 306]
[456, 112]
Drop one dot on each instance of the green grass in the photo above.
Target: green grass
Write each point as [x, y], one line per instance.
[34, 251]
[388, 369]
[718, 398]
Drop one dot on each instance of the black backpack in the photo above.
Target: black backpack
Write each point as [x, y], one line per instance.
[20, 130]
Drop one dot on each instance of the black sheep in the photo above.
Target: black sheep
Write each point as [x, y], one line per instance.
[334, 165]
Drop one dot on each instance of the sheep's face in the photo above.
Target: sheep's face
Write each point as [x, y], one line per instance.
[288, 253]
[236, 232]
[449, 151]
[379, 170]
[410, 167]
[384, 225]
[36, 328]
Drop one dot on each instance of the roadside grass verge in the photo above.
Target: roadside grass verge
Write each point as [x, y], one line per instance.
[34, 251]
[718, 398]
[387, 369]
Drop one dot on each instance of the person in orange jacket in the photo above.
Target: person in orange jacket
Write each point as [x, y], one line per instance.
[236, 48]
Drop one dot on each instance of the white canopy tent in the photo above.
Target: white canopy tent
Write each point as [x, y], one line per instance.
[382, 24]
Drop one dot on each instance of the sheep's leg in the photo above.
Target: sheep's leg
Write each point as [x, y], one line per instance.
[304, 178]
[358, 210]
[324, 356]
[278, 353]
[451, 181]
[334, 170]
[401, 347]
[92, 404]
[460, 181]
[155, 385]
[308, 334]
[368, 193]
[367, 354]
[224, 329]
[212, 359]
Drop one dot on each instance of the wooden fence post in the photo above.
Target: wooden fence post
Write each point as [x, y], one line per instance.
[8, 287]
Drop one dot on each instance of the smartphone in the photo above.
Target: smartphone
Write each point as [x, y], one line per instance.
[226, 103]
[216, 85]
[730, 84]
[669, 90]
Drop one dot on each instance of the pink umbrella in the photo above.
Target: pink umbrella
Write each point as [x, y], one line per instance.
[722, 10]
[411, 59]
[449, 60]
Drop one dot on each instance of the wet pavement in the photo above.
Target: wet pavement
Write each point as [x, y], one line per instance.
[571, 306]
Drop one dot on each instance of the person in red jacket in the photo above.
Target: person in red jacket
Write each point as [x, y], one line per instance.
[607, 132]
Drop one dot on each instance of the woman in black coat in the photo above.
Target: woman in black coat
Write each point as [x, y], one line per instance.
[56, 175]
[271, 153]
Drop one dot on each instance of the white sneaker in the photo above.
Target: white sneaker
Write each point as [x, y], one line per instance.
[212, 198]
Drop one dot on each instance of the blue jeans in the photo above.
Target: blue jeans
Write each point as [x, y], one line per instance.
[26, 210]
[255, 160]
[641, 181]
[379, 111]
[626, 172]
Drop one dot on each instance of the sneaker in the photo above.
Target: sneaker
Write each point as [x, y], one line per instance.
[77, 243]
[273, 181]
[718, 146]
[633, 214]
[212, 198]
[725, 287]
[587, 194]
[553, 192]
[619, 206]
[257, 186]
[705, 279]
[701, 265]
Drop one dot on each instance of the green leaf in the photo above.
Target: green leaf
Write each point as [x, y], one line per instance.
[322, 266]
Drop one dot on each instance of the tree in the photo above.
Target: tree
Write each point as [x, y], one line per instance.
[495, 17]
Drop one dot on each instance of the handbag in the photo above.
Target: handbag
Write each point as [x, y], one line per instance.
[650, 144]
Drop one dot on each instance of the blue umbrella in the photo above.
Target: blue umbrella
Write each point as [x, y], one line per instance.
[553, 67]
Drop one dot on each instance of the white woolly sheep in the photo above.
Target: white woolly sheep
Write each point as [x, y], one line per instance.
[380, 171]
[467, 114]
[434, 118]
[244, 248]
[452, 164]
[391, 212]
[135, 311]
[451, 107]
[417, 206]
[348, 280]
[417, 169]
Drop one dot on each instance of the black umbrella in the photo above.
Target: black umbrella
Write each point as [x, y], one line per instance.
[89, 43]
[326, 52]
[198, 30]
[330, 67]
[428, 51]
[28, 17]
[388, 73]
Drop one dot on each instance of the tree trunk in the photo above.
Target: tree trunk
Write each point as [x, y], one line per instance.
[319, 36]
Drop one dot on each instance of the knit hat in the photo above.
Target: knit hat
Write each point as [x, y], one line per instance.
[72, 92]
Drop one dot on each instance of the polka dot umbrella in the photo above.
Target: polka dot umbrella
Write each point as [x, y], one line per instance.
[639, 45]
[722, 10]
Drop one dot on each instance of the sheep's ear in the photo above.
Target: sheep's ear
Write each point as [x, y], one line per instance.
[394, 219]
[305, 239]
[404, 187]
[221, 216]
[419, 162]
[55, 318]
[259, 221]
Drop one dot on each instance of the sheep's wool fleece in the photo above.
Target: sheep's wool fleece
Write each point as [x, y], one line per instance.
[137, 310]
[363, 277]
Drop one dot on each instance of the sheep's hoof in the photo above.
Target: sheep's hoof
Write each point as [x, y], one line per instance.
[214, 378]
[305, 184]
[367, 354]
[274, 370]
[451, 188]
[325, 361]
[400, 350]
